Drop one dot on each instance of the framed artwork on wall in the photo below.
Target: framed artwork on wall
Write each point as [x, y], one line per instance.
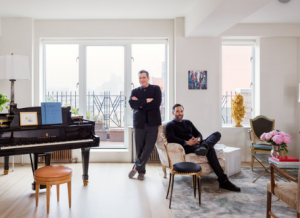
[197, 79]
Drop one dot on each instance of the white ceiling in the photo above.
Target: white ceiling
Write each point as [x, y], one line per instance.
[276, 12]
[203, 17]
[96, 9]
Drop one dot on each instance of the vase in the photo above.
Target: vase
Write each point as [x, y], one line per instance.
[276, 151]
[237, 123]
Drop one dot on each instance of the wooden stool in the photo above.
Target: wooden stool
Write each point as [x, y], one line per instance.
[52, 175]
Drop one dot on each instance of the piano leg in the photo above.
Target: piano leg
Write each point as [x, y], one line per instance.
[35, 167]
[47, 158]
[6, 165]
[85, 153]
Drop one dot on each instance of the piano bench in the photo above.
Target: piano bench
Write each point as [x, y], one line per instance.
[52, 175]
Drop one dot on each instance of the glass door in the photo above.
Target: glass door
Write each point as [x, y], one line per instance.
[152, 58]
[61, 72]
[105, 92]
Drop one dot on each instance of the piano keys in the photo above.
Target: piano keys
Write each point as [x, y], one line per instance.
[17, 140]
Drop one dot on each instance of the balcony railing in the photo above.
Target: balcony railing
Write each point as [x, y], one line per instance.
[105, 107]
[227, 104]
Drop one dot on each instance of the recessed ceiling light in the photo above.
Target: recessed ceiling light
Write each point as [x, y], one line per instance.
[284, 1]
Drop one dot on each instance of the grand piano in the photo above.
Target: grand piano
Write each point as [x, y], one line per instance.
[44, 139]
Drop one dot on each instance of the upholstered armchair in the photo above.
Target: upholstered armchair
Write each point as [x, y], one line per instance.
[288, 192]
[177, 154]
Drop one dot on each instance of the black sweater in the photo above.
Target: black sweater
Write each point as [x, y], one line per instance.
[180, 132]
[143, 112]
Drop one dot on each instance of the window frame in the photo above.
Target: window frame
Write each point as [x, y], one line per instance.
[127, 43]
[253, 44]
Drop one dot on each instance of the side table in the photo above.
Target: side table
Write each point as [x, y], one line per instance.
[232, 157]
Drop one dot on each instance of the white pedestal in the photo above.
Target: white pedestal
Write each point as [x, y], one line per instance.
[232, 160]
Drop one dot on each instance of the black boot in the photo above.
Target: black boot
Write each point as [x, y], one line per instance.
[202, 151]
[229, 186]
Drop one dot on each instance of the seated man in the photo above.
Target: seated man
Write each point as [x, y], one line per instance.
[185, 133]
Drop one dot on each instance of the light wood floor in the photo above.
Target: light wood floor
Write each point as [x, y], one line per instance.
[109, 194]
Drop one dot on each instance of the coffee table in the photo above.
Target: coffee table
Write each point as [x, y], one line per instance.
[264, 158]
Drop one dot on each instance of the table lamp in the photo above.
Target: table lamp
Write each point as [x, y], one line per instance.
[12, 68]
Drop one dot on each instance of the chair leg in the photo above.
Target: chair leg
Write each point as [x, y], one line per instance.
[192, 180]
[37, 189]
[57, 190]
[69, 193]
[48, 197]
[171, 190]
[195, 184]
[269, 198]
[199, 189]
[298, 215]
[169, 185]
[252, 162]
[165, 171]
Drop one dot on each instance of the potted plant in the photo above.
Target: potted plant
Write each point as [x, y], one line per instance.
[98, 122]
[3, 102]
[277, 139]
[74, 111]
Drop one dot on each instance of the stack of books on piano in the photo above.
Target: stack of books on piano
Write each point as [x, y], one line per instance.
[284, 161]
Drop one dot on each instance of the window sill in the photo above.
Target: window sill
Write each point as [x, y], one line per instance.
[114, 150]
[232, 127]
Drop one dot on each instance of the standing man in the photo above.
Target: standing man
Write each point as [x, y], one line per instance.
[145, 102]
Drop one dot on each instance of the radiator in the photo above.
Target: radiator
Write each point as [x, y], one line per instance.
[60, 156]
[154, 156]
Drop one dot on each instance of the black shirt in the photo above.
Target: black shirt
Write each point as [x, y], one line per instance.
[143, 112]
[180, 132]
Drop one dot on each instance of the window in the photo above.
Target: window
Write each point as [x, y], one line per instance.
[61, 73]
[152, 58]
[96, 79]
[237, 78]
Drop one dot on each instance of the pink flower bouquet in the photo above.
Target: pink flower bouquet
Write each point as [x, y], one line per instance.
[277, 138]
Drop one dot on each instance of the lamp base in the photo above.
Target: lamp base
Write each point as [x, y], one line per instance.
[12, 106]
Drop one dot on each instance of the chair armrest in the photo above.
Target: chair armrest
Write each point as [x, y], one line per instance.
[274, 167]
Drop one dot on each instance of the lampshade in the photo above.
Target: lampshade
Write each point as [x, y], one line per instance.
[14, 67]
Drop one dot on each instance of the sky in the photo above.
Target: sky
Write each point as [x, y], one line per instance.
[105, 66]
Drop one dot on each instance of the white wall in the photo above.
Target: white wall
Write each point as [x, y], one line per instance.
[198, 54]
[203, 107]
[279, 86]
[278, 83]
[298, 97]
[16, 37]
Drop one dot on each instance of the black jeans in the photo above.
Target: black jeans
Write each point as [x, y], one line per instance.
[211, 155]
[144, 142]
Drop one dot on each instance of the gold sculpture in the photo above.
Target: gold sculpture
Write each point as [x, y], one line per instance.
[238, 109]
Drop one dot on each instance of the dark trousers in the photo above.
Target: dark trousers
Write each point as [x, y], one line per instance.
[144, 142]
[211, 155]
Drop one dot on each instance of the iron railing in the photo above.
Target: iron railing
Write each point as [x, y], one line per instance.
[105, 107]
[226, 107]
